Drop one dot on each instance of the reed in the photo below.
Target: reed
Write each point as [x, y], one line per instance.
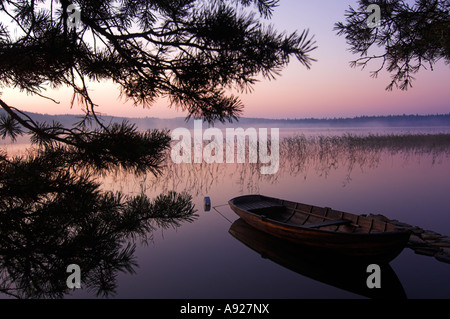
[300, 156]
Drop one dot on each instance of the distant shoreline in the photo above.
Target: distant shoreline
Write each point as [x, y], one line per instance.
[432, 120]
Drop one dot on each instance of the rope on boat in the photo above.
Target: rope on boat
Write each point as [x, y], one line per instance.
[220, 205]
[214, 207]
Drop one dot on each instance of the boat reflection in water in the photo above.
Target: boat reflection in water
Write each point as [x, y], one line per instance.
[335, 270]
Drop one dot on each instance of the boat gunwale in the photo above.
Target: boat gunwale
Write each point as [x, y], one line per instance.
[395, 231]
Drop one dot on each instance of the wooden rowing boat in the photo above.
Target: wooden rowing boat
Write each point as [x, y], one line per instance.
[345, 233]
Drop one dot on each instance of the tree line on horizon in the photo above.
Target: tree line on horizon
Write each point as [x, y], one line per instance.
[43, 116]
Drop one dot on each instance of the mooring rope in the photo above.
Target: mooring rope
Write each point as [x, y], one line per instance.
[220, 205]
[214, 207]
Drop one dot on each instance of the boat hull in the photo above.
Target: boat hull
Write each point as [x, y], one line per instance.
[382, 246]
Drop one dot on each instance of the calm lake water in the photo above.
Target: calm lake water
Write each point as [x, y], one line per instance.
[203, 260]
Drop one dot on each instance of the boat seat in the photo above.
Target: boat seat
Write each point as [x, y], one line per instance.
[328, 223]
[260, 204]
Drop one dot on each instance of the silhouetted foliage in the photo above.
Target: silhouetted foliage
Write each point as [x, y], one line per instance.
[411, 36]
[51, 217]
[191, 51]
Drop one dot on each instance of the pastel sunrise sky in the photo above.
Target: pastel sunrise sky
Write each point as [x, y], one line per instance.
[331, 88]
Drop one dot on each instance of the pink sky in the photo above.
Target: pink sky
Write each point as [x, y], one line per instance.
[330, 89]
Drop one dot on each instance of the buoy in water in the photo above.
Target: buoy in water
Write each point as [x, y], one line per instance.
[207, 204]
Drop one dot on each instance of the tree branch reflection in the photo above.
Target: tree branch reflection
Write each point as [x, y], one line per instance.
[51, 217]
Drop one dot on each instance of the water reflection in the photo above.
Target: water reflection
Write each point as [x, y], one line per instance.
[51, 217]
[347, 274]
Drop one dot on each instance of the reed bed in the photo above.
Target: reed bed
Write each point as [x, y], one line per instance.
[300, 156]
